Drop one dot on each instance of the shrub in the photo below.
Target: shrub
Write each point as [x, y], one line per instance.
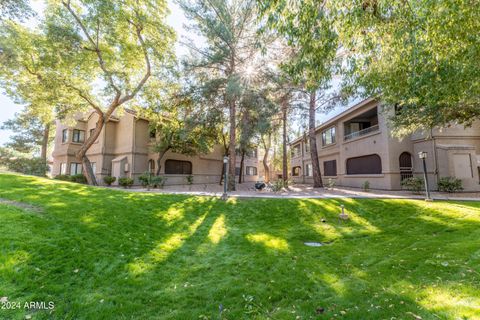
[145, 179]
[449, 184]
[78, 178]
[413, 184]
[22, 163]
[189, 179]
[62, 177]
[158, 181]
[109, 180]
[125, 182]
[366, 186]
[278, 185]
[330, 183]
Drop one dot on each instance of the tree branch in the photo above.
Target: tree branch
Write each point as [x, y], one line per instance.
[101, 61]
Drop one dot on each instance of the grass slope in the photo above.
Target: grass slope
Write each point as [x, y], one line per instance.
[104, 254]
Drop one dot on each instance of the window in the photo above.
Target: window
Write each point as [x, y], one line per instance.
[78, 136]
[251, 171]
[75, 168]
[178, 167]
[308, 170]
[253, 153]
[307, 146]
[295, 171]
[330, 168]
[151, 166]
[65, 135]
[94, 167]
[63, 168]
[371, 164]
[91, 132]
[328, 136]
[296, 151]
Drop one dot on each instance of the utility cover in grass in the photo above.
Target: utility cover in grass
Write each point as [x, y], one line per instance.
[314, 244]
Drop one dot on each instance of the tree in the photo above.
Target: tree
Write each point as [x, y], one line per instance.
[179, 122]
[89, 56]
[256, 120]
[14, 9]
[421, 56]
[308, 30]
[227, 61]
[30, 135]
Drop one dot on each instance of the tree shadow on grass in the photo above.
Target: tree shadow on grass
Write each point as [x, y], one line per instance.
[109, 254]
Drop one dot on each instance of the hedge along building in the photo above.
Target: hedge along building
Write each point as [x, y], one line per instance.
[123, 149]
[357, 146]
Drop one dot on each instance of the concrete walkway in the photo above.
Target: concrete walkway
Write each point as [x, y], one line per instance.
[247, 190]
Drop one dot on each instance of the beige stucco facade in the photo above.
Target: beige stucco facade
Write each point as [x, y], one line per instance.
[123, 149]
[365, 150]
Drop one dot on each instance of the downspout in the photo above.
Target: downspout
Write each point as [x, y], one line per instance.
[133, 147]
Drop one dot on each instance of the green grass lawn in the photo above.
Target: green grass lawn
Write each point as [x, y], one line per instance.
[105, 254]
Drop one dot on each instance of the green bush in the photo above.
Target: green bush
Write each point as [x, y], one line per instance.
[158, 181]
[22, 163]
[146, 179]
[366, 186]
[125, 182]
[449, 184]
[278, 185]
[78, 178]
[62, 177]
[109, 180]
[189, 179]
[413, 184]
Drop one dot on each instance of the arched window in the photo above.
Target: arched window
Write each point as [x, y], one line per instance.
[295, 171]
[151, 166]
[371, 164]
[406, 168]
[178, 167]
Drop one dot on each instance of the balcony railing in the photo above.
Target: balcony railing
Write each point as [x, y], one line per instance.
[361, 132]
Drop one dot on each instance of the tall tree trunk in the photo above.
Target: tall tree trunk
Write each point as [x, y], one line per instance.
[284, 142]
[161, 154]
[81, 153]
[225, 148]
[242, 160]
[44, 148]
[231, 147]
[317, 176]
[266, 146]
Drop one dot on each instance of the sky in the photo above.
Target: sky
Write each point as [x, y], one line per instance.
[176, 19]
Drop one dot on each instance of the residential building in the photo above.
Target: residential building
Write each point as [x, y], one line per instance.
[357, 146]
[123, 149]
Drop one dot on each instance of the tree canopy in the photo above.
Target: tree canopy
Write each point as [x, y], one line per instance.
[87, 56]
[421, 56]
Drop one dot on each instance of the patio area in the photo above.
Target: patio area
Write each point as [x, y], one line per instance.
[247, 190]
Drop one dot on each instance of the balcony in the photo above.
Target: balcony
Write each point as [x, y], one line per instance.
[361, 132]
[361, 125]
